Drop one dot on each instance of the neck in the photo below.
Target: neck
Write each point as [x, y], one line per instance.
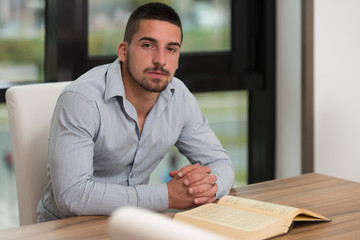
[141, 99]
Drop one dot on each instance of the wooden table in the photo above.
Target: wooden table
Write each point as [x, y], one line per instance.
[332, 197]
[335, 198]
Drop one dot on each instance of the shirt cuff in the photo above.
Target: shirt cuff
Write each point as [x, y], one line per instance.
[225, 179]
[153, 196]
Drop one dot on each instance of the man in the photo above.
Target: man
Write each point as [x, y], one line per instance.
[113, 125]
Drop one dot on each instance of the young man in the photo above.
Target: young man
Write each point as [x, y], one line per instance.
[113, 125]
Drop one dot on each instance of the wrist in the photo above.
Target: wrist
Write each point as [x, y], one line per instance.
[170, 200]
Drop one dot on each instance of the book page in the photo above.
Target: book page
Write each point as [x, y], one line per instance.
[272, 209]
[266, 208]
[247, 221]
[234, 223]
[306, 216]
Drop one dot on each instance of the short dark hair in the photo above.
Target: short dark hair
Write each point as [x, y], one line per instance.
[151, 11]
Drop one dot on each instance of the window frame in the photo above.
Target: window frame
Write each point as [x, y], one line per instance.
[250, 65]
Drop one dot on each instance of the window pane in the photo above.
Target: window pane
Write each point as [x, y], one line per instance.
[22, 44]
[206, 24]
[227, 113]
[8, 198]
[21, 40]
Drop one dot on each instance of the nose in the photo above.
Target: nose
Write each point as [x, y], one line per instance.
[159, 57]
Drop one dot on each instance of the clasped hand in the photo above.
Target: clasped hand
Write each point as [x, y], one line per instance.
[191, 186]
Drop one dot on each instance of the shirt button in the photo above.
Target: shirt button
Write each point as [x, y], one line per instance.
[132, 175]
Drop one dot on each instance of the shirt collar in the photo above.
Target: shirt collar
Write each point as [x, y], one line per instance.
[115, 86]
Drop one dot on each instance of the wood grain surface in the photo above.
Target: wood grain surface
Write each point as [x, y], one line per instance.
[333, 197]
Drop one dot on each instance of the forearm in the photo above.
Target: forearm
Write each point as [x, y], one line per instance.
[96, 198]
[90, 198]
[78, 192]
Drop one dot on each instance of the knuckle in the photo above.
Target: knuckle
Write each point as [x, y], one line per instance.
[199, 176]
[186, 168]
[192, 178]
[205, 169]
[206, 187]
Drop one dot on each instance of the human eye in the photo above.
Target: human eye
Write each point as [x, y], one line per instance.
[173, 49]
[147, 45]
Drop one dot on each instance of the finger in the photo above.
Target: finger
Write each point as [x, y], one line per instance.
[205, 186]
[204, 200]
[204, 169]
[208, 196]
[173, 173]
[200, 178]
[200, 189]
[211, 200]
[188, 168]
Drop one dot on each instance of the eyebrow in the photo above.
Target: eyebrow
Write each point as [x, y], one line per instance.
[156, 41]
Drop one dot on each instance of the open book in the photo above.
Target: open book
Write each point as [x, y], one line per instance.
[241, 218]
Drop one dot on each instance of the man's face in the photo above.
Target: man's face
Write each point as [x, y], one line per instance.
[153, 55]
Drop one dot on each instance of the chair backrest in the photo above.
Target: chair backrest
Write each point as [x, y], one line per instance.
[30, 108]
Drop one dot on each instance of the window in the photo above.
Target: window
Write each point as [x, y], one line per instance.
[22, 52]
[206, 24]
[22, 40]
[8, 197]
[248, 64]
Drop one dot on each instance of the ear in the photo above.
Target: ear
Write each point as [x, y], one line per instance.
[122, 51]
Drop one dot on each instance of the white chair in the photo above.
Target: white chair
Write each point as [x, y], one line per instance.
[30, 108]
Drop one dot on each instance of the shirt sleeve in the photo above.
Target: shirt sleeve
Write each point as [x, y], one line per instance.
[71, 149]
[200, 145]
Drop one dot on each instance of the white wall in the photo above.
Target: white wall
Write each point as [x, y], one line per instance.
[288, 90]
[337, 88]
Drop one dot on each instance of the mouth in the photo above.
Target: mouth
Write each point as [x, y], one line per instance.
[157, 74]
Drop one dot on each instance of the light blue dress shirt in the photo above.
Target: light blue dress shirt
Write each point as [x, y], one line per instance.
[99, 161]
